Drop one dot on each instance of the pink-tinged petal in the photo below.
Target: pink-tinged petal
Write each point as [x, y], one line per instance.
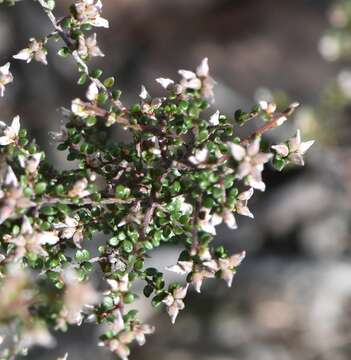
[25, 55]
[214, 119]
[229, 219]
[305, 146]
[203, 69]
[186, 74]
[294, 143]
[180, 293]
[47, 237]
[281, 149]
[246, 195]
[244, 210]
[254, 147]
[237, 151]
[182, 267]
[92, 92]
[262, 158]
[243, 170]
[168, 300]
[236, 259]
[197, 279]
[165, 82]
[26, 227]
[296, 159]
[5, 140]
[173, 312]
[256, 184]
[100, 22]
[227, 275]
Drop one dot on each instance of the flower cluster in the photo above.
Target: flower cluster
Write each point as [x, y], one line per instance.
[181, 175]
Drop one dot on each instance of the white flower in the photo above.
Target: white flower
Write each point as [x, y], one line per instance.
[31, 162]
[241, 204]
[65, 357]
[89, 12]
[31, 241]
[10, 133]
[35, 50]
[165, 82]
[201, 156]
[174, 302]
[79, 189]
[294, 149]
[227, 266]
[144, 95]
[88, 46]
[77, 296]
[208, 222]
[5, 77]
[251, 163]
[71, 228]
[140, 330]
[199, 80]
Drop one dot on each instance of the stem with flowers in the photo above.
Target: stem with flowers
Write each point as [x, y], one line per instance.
[182, 174]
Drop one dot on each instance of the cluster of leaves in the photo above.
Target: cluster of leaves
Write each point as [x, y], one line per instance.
[182, 173]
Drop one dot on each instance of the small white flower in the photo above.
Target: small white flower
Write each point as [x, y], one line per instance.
[89, 12]
[71, 228]
[241, 204]
[251, 163]
[294, 149]
[268, 107]
[227, 266]
[5, 77]
[174, 302]
[88, 46]
[35, 50]
[10, 133]
[144, 95]
[165, 82]
[31, 162]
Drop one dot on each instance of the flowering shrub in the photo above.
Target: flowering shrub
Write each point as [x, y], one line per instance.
[181, 174]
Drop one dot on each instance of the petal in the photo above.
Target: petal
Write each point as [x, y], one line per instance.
[143, 93]
[254, 147]
[246, 195]
[214, 119]
[15, 126]
[24, 54]
[296, 159]
[186, 74]
[229, 219]
[238, 152]
[48, 237]
[244, 210]
[92, 92]
[203, 69]
[165, 82]
[305, 146]
[5, 140]
[236, 259]
[281, 149]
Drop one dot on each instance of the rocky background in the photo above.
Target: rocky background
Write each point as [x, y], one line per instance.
[292, 296]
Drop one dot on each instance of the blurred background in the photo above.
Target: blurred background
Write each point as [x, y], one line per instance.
[291, 298]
